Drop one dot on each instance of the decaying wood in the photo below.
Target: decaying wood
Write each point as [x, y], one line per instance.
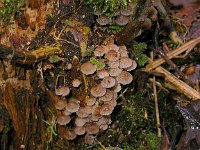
[181, 86]
[187, 46]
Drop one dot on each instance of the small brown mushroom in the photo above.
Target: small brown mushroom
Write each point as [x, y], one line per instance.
[103, 127]
[79, 130]
[60, 104]
[115, 71]
[89, 139]
[92, 128]
[113, 64]
[102, 74]
[112, 55]
[125, 62]
[108, 96]
[108, 82]
[122, 20]
[98, 90]
[73, 105]
[80, 121]
[69, 134]
[124, 78]
[100, 51]
[82, 112]
[63, 120]
[112, 46]
[129, 10]
[90, 101]
[76, 83]
[63, 90]
[103, 120]
[103, 20]
[112, 103]
[117, 88]
[66, 112]
[133, 66]
[106, 109]
[87, 68]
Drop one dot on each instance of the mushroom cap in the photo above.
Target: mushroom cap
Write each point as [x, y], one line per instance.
[122, 20]
[125, 62]
[129, 10]
[90, 101]
[60, 104]
[94, 117]
[82, 112]
[115, 71]
[72, 105]
[103, 20]
[63, 120]
[112, 55]
[112, 103]
[102, 74]
[92, 128]
[80, 121]
[100, 51]
[124, 78]
[106, 109]
[63, 90]
[89, 139]
[113, 64]
[98, 90]
[88, 68]
[66, 112]
[76, 83]
[133, 66]
[108, 82]
[123, 53]
[69, 134]
[112, 46]
[108, 96]
[117, 88]
[96, 110]
[103, 120]
[103, 127]
[79, 130]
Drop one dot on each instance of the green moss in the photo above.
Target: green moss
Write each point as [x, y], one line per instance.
[94, 61]
[10, 9]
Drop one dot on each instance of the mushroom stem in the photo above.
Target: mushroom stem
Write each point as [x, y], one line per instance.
[85, 84]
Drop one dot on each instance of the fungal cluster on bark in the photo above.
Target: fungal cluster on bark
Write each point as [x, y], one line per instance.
[92, 115]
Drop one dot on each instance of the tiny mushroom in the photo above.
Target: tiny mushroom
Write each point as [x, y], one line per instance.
[60, 104]
[100, 51]
[133, 66]
[82, 112]
[87, 68]
[90, 101]
[115, 71]
[112, 55]
[117, 88]
[102, 74]
[112, 46]
[106, 109]
[79, 130]
[89, 139]
[66, 112]
[98, 90]
[103, 20]
[125, 62]
[92, 128]
[113, 64]
[80, 121]
[108, 82]
[108, 96]
[103, 127]
[63, 120]
[122, 20]
[69, 134]
[124, 78]
[63, 90]
[72, 105]
[76, 83]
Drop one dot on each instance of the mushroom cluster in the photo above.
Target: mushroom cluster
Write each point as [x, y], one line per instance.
[121, 18]
[93, 114]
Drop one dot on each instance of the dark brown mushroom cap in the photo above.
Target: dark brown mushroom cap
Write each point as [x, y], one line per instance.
[108, 82]
[115, 72]
[80, 121]
[79, 130]
[72, 105]
[112, 55]
[108, 96]
[102, 74]
[122, 20]
[89, 139]
[113, 64]
[69, 134]
[133, 66]
[87, 68]
[100, 51]
[76, 83]
[103, 20]
[63, 90]
[98, 90]
[92, 128]
[90, 101]
[124, 78]
[125, 62]
[60, 104]
[63, 120]
[106, 109]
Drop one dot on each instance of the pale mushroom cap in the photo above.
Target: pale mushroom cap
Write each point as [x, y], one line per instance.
[76, 83]
[102, 74]
[98, 90]
[73, 105]
[80, 121]
[100, 51]
[63, 120]
[115, 71]
[63, 90]
[106, 109]
[103, 120]
[133, 66]
[108, 96]
[103, 20]
[90, 101]
[112, 46]
[96, 110]
[112, 103]
[60, 104]
[94, 117]
[87, 68]
[112, 55]
[69, 134]
[108, 82]
[82, 113]
[79, 130]
[113, 64]
[103, 127]
[122, 48]
[92, 128]
[125, 62]
[123, 53]
[124, 78]
[89, 139]
[122, 20]
[117, 88]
